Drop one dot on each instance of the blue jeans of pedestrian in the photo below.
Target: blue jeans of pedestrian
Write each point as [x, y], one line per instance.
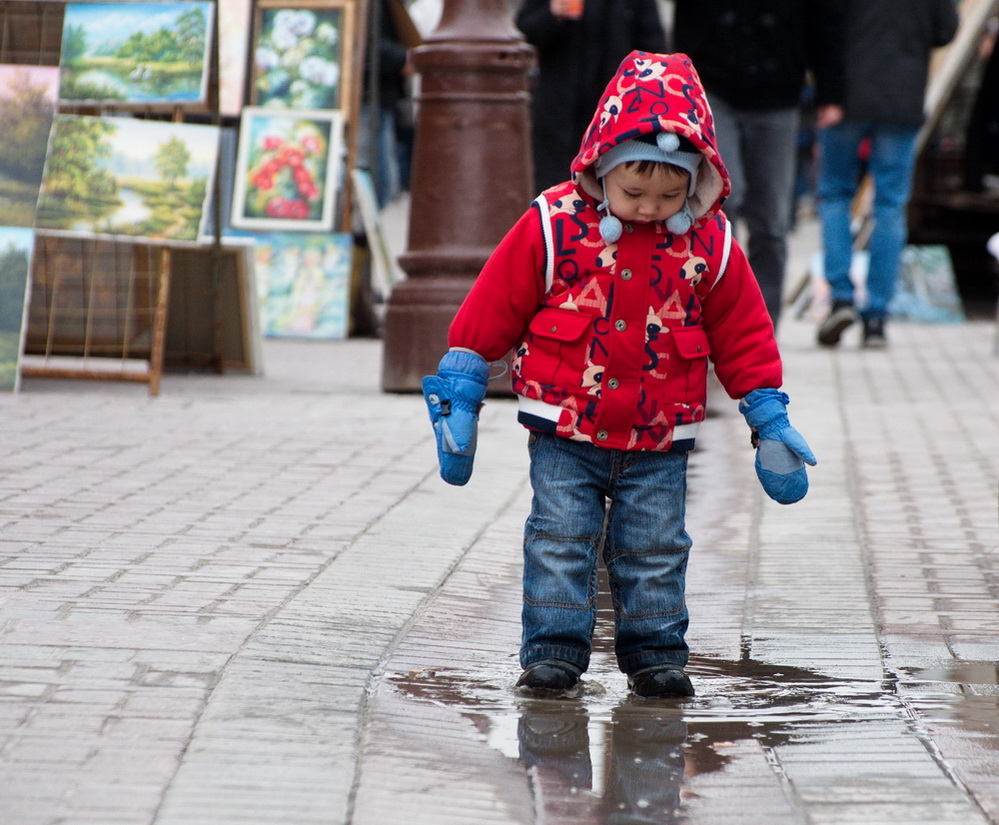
[628, 505]
[760, 151]
[892, 159]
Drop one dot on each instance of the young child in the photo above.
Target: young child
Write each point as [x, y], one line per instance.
[613, 290]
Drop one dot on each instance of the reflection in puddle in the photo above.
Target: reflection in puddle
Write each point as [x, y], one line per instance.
[961, 692]
[609, 757]
[644, 764]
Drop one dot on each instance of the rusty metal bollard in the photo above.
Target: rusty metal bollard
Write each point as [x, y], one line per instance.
[471, 180]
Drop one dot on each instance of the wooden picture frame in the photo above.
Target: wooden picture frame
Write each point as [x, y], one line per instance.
[142, 54]
[302, 54]
[287, 167]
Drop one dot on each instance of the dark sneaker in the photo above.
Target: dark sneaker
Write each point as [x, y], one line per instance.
[661, 681]
[841, 316]
[549, 677]
[874, 333]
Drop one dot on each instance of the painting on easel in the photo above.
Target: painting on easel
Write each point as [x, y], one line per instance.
[136, 53]
[124, 177]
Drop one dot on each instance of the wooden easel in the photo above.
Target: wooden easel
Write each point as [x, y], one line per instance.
[78, 363]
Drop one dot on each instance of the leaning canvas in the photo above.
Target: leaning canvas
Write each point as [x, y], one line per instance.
[16, 246]
[28, 97]
[234, 39]
[303, 282]
[126, 177]
[136, 53]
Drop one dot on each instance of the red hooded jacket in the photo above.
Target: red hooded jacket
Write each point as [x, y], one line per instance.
[612, 340]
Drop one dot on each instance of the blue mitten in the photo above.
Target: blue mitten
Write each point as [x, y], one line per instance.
[781, 452]
[453, 398]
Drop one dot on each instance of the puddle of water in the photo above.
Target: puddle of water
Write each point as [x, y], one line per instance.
[608, 756]
[962, 692]
[636, 753]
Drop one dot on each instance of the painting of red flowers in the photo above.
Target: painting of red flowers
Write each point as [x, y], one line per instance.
[286, 169]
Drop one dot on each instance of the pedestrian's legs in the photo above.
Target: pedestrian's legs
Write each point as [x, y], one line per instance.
[561, 538]
[839, 176]
[893, 154]
[769, 154]
[645, 551]
[728, 134]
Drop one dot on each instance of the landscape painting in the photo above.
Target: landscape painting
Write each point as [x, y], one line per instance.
[300, 55]
[28, 97]
[286, 165]
[127, 177]
[16, 245]
[303, 282]
[136, 53]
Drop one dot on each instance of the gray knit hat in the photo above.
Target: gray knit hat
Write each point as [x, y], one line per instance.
[661, 147]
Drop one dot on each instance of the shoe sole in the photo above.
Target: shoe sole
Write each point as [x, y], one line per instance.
[551, 693]
[833, 328]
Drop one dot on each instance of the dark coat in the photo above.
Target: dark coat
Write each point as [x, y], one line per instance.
[754, 54]
[888, 55]
[576, 60]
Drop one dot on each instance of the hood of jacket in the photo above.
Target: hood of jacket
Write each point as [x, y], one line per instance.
[656, 93]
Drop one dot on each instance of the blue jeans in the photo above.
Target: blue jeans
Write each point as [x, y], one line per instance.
[760, 150]
[892, 159]
[629, 504]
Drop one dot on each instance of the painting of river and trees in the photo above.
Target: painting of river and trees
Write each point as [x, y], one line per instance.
[27, 106]
[120, 176]
[136, 53]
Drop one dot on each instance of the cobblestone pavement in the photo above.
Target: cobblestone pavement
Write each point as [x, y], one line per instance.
[251, 600]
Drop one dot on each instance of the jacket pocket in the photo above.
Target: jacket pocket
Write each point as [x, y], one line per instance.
[691, 342]
[557, 349]
[693, 348]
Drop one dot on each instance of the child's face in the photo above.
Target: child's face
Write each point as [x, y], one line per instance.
[644, 198]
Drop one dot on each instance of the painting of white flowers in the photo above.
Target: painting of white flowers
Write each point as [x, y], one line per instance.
[301, 54]
[136, 53]
[287, 166]
[121, 176]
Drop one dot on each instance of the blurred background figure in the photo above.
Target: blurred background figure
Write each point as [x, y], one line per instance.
[386, 133]
[580, 44]
[752, 56]
[888, 45]
[981, 149]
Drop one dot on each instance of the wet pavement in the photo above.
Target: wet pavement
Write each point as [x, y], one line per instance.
[251, 600]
